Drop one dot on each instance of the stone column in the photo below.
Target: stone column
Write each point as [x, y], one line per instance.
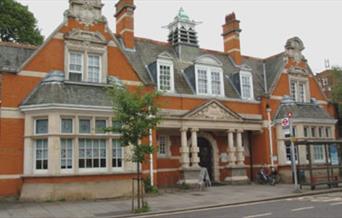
[231, 149]
[194, 148]
[240, 149]
[184, 150]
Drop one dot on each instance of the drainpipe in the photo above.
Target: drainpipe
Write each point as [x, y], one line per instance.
[268, 110]
[151, 157]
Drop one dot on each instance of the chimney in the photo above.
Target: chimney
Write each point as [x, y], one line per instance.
[125, 21]
[231, 37]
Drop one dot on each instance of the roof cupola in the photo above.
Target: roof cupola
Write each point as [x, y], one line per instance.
[182, 30]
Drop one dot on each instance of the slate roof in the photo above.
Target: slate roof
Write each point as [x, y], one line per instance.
[52, 91]
[13, 55]
[146, 52]
[303, 111]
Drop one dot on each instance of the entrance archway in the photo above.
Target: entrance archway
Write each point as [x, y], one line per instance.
[205, 155]
[214, 154]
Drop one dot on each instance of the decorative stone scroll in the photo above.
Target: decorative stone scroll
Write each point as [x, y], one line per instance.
[86, 11]
[294, 48]
[213, 111]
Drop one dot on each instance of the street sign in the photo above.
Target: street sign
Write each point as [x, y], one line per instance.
[289, 114]
[285, 122]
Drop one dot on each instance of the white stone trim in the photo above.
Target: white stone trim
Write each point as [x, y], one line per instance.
[131, 83]
[163, 170]
[14, 176]
[111, 43]
[59, 35]
[226, 39]
[233, 50]
[32, 73]
[126, 30]
[66, 107]
[124, 16]
[11, 112]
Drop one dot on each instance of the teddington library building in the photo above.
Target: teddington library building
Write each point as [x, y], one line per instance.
[220, 110]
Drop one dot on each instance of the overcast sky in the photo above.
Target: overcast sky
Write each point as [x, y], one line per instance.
[266, 25]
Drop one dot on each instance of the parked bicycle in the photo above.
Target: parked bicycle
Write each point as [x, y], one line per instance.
[268, 176]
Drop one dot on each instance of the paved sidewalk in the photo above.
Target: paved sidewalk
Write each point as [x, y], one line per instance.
[228, 194]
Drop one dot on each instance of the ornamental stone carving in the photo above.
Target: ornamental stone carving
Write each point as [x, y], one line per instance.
[85, 36]
[213, 111]
[86, 11]
[294, 48]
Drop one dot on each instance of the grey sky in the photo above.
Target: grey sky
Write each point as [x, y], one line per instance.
[266, 25]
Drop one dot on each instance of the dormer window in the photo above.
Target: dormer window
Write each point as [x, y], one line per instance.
[246, 85]
[298, 90]
[84, 67]
[75, 66]
[209, 80]
[165, 78]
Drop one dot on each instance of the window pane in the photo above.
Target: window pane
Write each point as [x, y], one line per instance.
[215, 83]
[117, 153]
[246, 87]
[75, 66]
[66, 153]
[294, 90]
[162, 145]
[95, 153]
[301, 92]
[100, 126]
[164, 78]
[94, 68]
[318, 153]
[41, 154]
[202, 81]
[116, 125]
[66, 126]
[42, 126]
[84, 126]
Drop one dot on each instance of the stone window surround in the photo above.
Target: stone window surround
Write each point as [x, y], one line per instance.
[169, 63]
[300, 79]
[85, 49]
[209, 69]
[54, 137]
[167, 146]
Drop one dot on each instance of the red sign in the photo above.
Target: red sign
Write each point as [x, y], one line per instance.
[285, 122]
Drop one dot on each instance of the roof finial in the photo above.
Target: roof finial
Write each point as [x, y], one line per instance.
[182, 15]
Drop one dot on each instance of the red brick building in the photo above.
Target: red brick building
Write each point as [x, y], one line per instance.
[217, 106]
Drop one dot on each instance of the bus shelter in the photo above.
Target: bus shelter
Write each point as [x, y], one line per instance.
[327, 170]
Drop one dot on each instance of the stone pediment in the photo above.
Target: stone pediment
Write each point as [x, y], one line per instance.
[85, 36]
[213, 110]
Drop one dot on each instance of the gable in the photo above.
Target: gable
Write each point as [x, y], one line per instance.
[213, 110]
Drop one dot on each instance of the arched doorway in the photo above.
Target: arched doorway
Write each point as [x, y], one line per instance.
[205, 155]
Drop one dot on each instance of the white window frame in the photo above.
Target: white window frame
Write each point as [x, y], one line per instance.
[114, 169]
[306, 89]
[35, 170]
[35, 126]
[100, 66]
[209, 70]
[322, 148]
[247, 74]
[93, 169]
[61, 126]
[68, 170]
[102, 119]
[169, 64]
[167, 146]
[82, 64]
